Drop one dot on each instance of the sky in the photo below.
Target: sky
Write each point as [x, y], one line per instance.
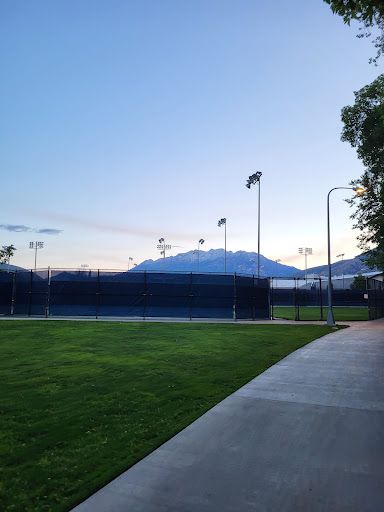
[125, 121]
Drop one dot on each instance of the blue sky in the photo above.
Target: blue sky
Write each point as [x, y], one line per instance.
[126, 121]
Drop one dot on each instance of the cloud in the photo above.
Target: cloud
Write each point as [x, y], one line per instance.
[16, 228]
[48, 231]
[113, 228]
[26, 229]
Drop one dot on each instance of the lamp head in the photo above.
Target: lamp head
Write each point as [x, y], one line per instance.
[359, 190]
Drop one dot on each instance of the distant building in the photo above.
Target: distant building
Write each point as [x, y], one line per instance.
[376, 282]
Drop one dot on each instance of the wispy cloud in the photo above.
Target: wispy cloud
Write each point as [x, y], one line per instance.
[48, 231]
[19, 228]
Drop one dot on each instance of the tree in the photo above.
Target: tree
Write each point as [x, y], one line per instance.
[6, 253]
[364, 130]
[368, 12]
[359, 283]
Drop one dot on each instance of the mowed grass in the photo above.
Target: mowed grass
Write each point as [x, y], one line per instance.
[80, 402]
[341, 314]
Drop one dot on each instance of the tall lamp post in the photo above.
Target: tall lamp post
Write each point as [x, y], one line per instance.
[201, 241]
[36, 245]
[162, 248]
[223, 222]
[252, 180]
[305, 251]
[330, 317]
[129, 259]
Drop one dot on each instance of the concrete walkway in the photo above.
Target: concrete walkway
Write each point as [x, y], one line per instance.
[307, 435]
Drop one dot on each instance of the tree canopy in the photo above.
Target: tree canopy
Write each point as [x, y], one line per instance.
[368, 12]
[364, 130]
[6, 253]
[359, 283]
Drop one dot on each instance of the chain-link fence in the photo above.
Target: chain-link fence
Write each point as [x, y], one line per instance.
[376, 298]
[307, 299]
[100, 293]
[103, 293]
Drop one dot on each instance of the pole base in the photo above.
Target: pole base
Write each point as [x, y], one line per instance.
[330, 318]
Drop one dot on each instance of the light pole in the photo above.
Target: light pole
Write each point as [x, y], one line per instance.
[330, 317]
[342, 257]
[129, 259]
[220, 223]
[162, 248]
[36, 245]
[305, 251]
[201, 241]
[193, 254]
[252, 180]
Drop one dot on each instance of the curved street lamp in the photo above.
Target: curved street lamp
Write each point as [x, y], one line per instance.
[201, 241]
[252, 180]
[162, 246]
[223, 222]
[330, 317]
[129, 259]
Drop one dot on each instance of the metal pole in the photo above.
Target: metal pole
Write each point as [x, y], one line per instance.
[330, 317]
[321, 300]
[258, 238]
[225, 247]
[164, 257]
[305, 267]
[35, 255]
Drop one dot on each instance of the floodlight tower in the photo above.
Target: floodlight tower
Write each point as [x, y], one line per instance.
[223, 222]
[36, 245]
[129, 259]
[161, 247]
[201, 241]
[306, 251]
[252, 180]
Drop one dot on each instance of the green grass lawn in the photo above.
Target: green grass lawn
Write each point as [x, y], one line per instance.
[341, 314]
[80, 402]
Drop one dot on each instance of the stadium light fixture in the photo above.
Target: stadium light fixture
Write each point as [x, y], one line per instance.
[201, 241]
[223, 222]
[330, 317]
[129, 259]
[305, 251]
[35, 246]
[253, 180]
[163, 248]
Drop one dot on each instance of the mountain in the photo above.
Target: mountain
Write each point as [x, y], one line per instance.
[241, 262]
[346, 267]
[4, 266]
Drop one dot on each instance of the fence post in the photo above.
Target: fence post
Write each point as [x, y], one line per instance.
[321, 301]
[253, 296]
[13, 296]
[98, 294]
[271, 297]
[145, 293]
[190, 297]
[30, 294]
[48, 292]
[234, 296]
[297, 309]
